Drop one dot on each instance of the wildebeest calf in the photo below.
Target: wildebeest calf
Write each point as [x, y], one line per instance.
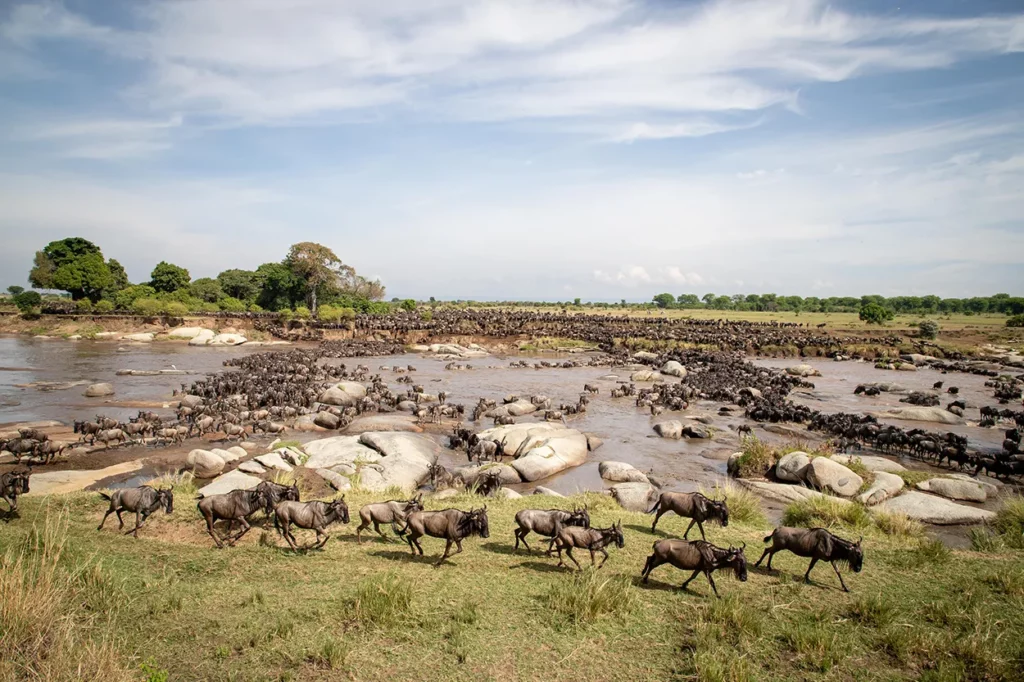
[451, 524]
[141, 501]
[542, 522]
[315, 515]
[392, 511]
[698, 556]
[819, 545]
[592, 539]
[693, 506]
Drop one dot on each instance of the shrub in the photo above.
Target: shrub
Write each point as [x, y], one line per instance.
[83, 306]
[205, 307]
[103, 307]
[757, 460]
[302, 313]
[148, 307]
[900, 525]
[28, 301]
[826, 512]
[928, 329]
[874, 313]
[232, 305]
[255, 308]
[329, 314]
[176, 309]
[1015, 321]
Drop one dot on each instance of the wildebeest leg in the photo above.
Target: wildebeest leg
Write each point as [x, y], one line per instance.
[120, 521]
[686, 535]
[551, 547]
[100, 527]
[700, 526]
[140, 518]
[840, 575]
[558, 546]
[767, 553]
[245, 529]
[807, 575]
[521, 534]
[712, 581]
[656, 518]
[286, 531]
[686, 585]
[652, 563]
[209, 529]
[408, 539]
[602, 550]
[568, 550]
[320, 543]
[376, 527]
[359, 530]
[419, 547]
[447, 548]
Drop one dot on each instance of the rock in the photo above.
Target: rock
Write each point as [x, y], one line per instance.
[803, 371]
[732, 465]
[991, 486]
[792, 468]
[826, 475]
[405, 459]
[750, 392]
[445, 494]
[202, 338]
[407, 406]
[521, 407]
[954, 489]
[906, 367]
[141, 337]
[918, 358]
[593, 442]
[506, 474]
[696, 431]
[105, 335]
[384, 422]
[329, 452]
[306, 422]
[229, 455]
[637, 497]
[187, 332]
[204, 463]
[327, 420]
[148, 372]
[784, 492]
[457, 350]
[936, 510]
[543, 449]
[621, 472]
[343, 394]
[643, 375]
[233, 480]
[344, 469]
[251, 467]
[336, 480]
[669, 429]
[870, 463]
[273, 460]
[190, 401]
[882, 488]
[293, 456]
[541, 490]
[507, 494]
[227, 340]
[99, 390]
[645, 356]
[674, 369]
[936, 415]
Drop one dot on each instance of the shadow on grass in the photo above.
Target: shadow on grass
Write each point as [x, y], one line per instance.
[541, 567]
[407, 557]
[646, 530]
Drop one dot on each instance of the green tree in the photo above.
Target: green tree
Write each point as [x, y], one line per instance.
[240, 284]
[230, 304]
[874, 313]
[319, 268]
[408, 305]
[928, 329]
[206, 289]
[28, 301]
[278, 287]
[118, 278]
[127, 296]
[84, 277]
[688, 301]
[664, 300]
[167, 277]
[14, 290]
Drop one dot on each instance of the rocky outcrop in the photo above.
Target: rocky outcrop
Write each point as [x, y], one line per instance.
[672, 428]
[202, 338]
[327, 420]
[803, 371]
[334, 479]
[343, 394]
[99, 390]
[884, 486]
[593, 442]
[187, 332]
[936, 415]
[644, 375]
[140, 337]
[783, 492]
[251, 467]
[832, 477]
[405, 459]
[621, 472]
[792, 468]
[273, 460]
[329, 452]
[473, 351]
[937, 510]
[542, 449]
[954, 489]
[204, 463]
[673, 368]
[870, 463]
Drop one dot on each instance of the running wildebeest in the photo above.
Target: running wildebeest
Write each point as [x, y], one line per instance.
[12, 484]
[451, 524]
[392, 511]
[819, 545]
[315, 515]
[236, 505]
[542, 522]
[698, 556]
[274, 493]
[592, 539]
[693, 506]
[141, 501]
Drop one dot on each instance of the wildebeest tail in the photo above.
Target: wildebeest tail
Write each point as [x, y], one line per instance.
[655, 507]
[400, 530]
[105, 496]
[768, 537]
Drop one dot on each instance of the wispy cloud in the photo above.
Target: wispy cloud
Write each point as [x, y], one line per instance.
[104, 138]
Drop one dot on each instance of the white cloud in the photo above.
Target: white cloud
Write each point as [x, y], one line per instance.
[103, 138]
[632, 276]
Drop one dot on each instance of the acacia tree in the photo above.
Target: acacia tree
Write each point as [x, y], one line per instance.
[319, 268]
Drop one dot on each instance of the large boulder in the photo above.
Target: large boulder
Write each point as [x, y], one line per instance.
[405, 459]
[334, 479]
[732, 465]
[672, 428]
[140, 337]
[384, 422]
[506, 474]
[784, 492]
[931, 509]
[273, 460]
[803, 371]
[621, 472]
[696, 431]
[227, 340]
[229, 455]
[792, 468]
[327, 420]
[233, 480]
[204, 463]
[637, 497]
[870, 463]
[343, 394]
[918, 358]
[541, 449]
[832, 477]
[936, 415]
[99, 390]
[541, 490]
[674, 369]
[593, 442]
[507, 494]
[187, 332]
[644, 375]
[954, 489]
[520, 408]
[645, 356]
[306, 422]
[251, 467]
[329, 452]
[882, 488]
[202, 338]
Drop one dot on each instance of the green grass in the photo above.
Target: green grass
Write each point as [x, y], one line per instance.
[170, 606]
[1009, 521]
[744, 506]
[827, 512]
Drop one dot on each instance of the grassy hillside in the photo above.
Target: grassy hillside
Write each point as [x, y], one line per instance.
[80, 604]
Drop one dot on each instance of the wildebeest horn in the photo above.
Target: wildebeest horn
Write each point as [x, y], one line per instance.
[861, 538]
[743, 547]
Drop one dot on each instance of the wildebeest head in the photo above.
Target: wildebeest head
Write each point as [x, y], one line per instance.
[339, 509]
[738, 560]
[476, 522]
[414, 505]
[719, 510]
[165, 496]
[854, 555]
[291, 493]
[579, 517]
[616, 533]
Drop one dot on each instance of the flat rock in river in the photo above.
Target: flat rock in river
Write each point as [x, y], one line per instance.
[621, 472]
[343, 394]
[954, 489]
[937, 415]
[882, 488]
[673, 368]
[99, 390]
[384, 422]
[937, 510]
[672, 428]
[784, 492]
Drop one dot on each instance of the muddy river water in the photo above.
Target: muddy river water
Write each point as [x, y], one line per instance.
[26, 364]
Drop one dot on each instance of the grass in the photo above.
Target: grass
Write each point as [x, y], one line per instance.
[1009, 521]
[170, 606]
[744, 506]
[758, 458]
[827, 512]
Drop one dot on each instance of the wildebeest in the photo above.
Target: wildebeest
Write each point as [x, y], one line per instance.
[693, 506]
[141, 501]
[12, 484]
[315, 515]
[392, 511]
[451, 524]
[273, 493]
[698, 556]
[233, 506]
[818, 544]
[592, 539]
[542, 522]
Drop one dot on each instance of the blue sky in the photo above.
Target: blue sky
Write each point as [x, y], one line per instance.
[526, 149]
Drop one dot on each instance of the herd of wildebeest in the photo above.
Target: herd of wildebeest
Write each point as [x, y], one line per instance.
[265, 393]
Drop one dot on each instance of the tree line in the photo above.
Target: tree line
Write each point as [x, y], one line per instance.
[902, 305]
[310, 281]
